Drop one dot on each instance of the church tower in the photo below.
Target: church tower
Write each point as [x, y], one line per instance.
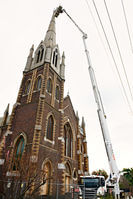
[43, 126]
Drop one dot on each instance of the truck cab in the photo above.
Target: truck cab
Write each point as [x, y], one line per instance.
[91, 186]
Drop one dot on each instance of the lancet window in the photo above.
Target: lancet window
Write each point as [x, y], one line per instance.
[50, 128]
[68, 140]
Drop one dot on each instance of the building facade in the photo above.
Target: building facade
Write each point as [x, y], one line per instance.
[43, 127]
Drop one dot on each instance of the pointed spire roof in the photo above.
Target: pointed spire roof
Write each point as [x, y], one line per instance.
[83, 123]
[77, 115]
[31, 51]
[7, 110]
[50, 38]
[5, 116]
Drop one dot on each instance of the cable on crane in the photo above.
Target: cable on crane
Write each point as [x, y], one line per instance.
[128, 31]
[112, 56]
[107, 10]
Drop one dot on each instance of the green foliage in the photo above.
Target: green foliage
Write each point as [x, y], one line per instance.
[100, 172]
[128, 174]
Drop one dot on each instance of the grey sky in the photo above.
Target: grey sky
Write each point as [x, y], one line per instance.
[25, 22]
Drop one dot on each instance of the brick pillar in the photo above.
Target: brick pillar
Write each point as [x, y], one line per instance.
[61, 172]
[39, 116]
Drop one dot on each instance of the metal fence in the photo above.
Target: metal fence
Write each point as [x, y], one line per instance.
[17, 191]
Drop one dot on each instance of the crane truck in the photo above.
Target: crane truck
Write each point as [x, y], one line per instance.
[113, 179]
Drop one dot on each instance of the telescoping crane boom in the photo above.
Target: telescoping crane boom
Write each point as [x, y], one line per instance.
[114, 172]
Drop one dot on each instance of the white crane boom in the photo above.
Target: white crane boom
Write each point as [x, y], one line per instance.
[102, 117]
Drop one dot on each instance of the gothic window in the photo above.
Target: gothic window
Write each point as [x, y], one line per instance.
[18, 152]
[45, 189]
[55, 57]
[42, 52]
[68, 140]
[49, 85]
[38, 57]
[50, 128]
[38, 83]
[57, 93]
[27, 88]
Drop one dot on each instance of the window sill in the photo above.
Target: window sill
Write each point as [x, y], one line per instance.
[50, 141]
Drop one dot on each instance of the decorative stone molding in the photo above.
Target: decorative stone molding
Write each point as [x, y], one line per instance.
[62, 111]
[61, 166]
[78, 136]
[84, 140]
[79, 152]
[8, 173]
[79, 172]
[2, 161]
[85, 155]
[8, 133]
[86, 173]
[50, 141]
[42, 96]
[33, 158]
[38, 127]
[16, 104]
[61, 138]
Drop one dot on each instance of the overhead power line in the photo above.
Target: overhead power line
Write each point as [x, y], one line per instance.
[112, 55]
[97, 29]
[124, 69]
[128, 31]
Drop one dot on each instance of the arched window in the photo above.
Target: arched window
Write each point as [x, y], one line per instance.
[68, 140]
[38, 83]
[45, 189]
[57, 93]
[50, 128]
[18, 152]
[49, 85]
[40, 54]
[38, 57]
[27, 88]
[67, 178]
[55, 57]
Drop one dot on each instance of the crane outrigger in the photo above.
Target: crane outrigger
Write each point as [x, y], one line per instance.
[113, 179]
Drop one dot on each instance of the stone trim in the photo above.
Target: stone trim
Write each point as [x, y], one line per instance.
[38, 127]
[2, 161]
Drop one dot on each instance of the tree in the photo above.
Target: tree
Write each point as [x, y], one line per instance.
[24, 182]
[128, 174]
[100, 172]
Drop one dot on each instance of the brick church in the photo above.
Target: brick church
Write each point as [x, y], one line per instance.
[43, 126]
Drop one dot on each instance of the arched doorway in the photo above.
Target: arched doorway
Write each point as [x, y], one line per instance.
[68, 177]
[46, 188]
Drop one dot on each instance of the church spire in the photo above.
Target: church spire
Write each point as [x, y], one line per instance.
[50, 38]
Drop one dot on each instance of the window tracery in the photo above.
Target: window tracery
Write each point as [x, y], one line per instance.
[39, 55]
[68, 140]
[55, 57]
[18, 152]
[27, 87]
[49, 85]
[57, 93]
[38, 83]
